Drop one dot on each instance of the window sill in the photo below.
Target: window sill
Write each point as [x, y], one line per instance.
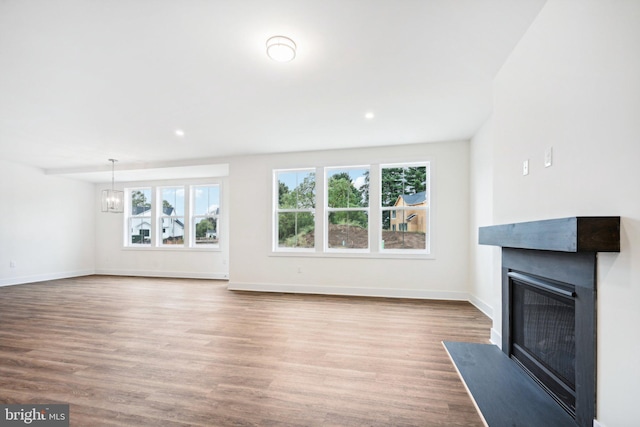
[355, 255]
[169, 248]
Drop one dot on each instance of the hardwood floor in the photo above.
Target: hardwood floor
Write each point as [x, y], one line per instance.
[172, 352]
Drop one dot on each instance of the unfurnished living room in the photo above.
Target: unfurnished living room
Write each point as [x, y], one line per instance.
[319, 213]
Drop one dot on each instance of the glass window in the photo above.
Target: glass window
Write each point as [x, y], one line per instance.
[206, 216]
[404, 207]
[171, 215]
[139, 218]
[295, 208]
[347, 208]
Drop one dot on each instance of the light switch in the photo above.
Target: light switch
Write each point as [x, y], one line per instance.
[525, 167]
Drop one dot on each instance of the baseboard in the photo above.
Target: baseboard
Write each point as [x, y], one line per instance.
[496, 338]
[21, 280]
[482, 306]
[171, 274]
[346, 291]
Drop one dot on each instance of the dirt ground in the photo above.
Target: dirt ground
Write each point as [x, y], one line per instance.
[356, 237]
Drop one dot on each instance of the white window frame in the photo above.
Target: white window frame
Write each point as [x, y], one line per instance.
[129, 217]
[328, 210]
[277, 210]
[195, 217]
[399, 211]
[375, 248]
[173, 218]
[156, 214]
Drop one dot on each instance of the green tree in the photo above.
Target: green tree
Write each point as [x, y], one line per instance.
[401, 181]
[342, 193]
[292, 226]
[207, 224]
[138, 198]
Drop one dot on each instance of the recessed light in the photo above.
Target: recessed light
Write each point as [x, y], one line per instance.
[369, 115]
[180, 133]
[281, 48]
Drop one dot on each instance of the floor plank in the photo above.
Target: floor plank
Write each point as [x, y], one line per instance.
[177, 352]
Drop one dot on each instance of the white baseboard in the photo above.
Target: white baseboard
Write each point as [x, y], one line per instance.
[21, 280]
[496, 338]
[482, 306]
[362, 292]
[172, 274]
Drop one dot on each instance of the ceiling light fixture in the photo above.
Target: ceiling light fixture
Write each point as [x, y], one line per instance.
[180, 133]
[369, 115]
[281, 48]
[112, 200]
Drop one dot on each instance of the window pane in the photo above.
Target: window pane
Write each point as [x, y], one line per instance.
[296, 190]
[206, 231]
[407, 230]
[173, 231]
[403, 186]
[141, 202]
[348, 188]
[206, 200]
[349, 229]
[172, 201]
[139, 231]
[296, 230]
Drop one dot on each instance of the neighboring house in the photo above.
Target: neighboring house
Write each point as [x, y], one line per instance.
[410, 219]
[172, 228]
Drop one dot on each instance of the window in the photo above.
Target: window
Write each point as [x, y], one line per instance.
[139, 218]
[179, 217]
[404, 207]
[295, 208]
[171, 215]
[360, 211]
[206, 215]
[347, 208]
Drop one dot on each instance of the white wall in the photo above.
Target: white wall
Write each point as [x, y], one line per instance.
[113, 258]
[446, 276]
[573, 83]
[483, 293]
[46, 226]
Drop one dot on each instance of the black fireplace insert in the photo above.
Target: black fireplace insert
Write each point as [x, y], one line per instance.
[544, 334]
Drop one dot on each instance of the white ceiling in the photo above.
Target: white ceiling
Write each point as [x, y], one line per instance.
[82, 81]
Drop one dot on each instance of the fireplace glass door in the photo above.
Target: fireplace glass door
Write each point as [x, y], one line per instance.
[544, 338]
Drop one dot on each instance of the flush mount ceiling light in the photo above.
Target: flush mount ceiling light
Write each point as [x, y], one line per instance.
[281, 48]
[112, 200]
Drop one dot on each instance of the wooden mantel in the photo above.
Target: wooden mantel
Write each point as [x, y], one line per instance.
[574, 234]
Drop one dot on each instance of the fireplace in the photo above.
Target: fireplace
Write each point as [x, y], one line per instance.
[549, 303]
[543, 338]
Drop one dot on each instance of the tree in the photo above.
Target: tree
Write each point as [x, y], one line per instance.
[401, 181]
[303, 196]
[206, 225]
[342, 193]
[139, 202]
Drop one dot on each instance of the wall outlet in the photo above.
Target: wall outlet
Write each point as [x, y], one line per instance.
[12, 264]
[525, 167]
[548, 157]
[299, 269]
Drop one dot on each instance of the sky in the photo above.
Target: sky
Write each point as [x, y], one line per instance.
[292, 178]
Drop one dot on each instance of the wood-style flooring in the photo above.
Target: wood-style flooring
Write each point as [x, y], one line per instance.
[128, 351]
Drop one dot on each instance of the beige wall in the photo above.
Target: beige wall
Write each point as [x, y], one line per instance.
[572, 84]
